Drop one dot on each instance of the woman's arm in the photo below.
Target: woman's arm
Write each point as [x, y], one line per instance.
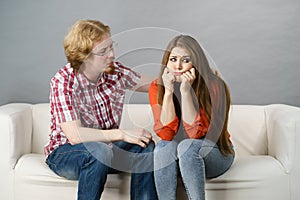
[168, 110]
[189, 112]
[165, 131]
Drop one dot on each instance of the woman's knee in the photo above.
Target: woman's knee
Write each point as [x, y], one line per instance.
[187, 147]
[164, 145]
[165, 154]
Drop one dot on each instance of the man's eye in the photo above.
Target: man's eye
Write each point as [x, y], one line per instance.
[103, 50]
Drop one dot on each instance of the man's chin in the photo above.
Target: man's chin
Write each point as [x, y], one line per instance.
[110, 69]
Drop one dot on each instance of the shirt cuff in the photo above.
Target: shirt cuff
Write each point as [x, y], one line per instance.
[168, 131]
[195, 130]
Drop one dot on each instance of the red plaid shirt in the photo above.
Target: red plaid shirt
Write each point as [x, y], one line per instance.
[99, 106]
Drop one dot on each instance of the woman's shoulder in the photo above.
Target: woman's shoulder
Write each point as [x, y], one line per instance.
[215, 82]
[154, 84]
[153, 91]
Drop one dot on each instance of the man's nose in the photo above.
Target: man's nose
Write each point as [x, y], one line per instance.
[111, 53]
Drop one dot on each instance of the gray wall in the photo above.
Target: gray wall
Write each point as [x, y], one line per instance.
[255, 43]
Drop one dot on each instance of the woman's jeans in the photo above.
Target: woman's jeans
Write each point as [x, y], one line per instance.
[197, 160]
[91, 162]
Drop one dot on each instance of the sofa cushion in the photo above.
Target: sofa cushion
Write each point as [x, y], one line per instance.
[251, 177]
[32, 168]
[245, 172]
[248, 172]
[40, 127]
[247, 127]
[33, 177]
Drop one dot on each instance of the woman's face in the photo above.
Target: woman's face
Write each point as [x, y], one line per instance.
[179, 62]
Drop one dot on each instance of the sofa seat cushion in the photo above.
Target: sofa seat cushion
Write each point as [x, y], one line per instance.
[251, 177]
[31, 168]
[245, 172]
[249, 172]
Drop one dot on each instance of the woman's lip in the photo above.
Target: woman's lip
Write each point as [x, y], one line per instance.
[177, 73]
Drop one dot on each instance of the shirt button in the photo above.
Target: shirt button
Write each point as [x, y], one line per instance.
[101, 105]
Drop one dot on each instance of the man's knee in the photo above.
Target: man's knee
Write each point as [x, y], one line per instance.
[149, 148]
[100, 151]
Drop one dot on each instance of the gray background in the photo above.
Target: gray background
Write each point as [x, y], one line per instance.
[254, 43]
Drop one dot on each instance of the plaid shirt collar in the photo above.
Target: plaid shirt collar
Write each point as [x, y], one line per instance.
[83, 80]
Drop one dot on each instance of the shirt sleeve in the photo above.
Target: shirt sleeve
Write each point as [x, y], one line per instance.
[165, 132]
[198, 128]
[201, 125]
[130, 77]
[62, 99]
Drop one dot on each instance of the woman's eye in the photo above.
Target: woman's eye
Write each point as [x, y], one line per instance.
[173, 59]
[186, 60]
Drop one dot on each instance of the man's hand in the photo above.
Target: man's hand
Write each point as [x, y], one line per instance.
[140, 137]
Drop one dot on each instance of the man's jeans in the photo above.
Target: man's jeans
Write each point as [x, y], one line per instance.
[90, 163]
[197, 160]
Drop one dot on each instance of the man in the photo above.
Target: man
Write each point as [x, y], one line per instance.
[86, 98]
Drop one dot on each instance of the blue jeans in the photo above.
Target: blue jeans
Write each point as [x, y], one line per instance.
[91, 162]
[196, 159]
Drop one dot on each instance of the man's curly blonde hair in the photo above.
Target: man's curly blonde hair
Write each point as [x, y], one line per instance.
[80, 39]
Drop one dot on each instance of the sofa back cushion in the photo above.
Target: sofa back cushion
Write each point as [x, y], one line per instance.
[134, 116]
[247, 126]
[40, 126]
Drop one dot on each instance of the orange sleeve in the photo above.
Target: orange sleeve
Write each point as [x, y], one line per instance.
[168, 131]
[198, 128]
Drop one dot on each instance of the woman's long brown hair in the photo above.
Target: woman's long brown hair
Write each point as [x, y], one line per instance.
[210, 90]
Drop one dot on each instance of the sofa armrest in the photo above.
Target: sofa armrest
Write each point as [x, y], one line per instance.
[16, 129]
[282, 122]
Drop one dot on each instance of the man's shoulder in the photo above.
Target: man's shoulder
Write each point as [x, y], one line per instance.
[64, 74]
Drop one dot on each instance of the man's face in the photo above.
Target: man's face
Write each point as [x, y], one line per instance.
[102, 56]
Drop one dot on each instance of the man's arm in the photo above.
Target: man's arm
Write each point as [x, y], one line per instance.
[144, 83]
[77, 134]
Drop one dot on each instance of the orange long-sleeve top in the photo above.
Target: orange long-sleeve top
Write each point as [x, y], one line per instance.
[196, 130]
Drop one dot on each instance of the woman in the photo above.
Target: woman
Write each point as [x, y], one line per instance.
[190, 104]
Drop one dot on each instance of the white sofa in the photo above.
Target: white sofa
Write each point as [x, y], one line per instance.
[266, 139]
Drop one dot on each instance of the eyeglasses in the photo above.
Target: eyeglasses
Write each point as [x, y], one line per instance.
[106, 50]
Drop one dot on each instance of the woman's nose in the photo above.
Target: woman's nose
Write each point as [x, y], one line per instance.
[178, 65]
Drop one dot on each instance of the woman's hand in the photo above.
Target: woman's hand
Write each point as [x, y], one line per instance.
[168, 80]
[187, 79]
